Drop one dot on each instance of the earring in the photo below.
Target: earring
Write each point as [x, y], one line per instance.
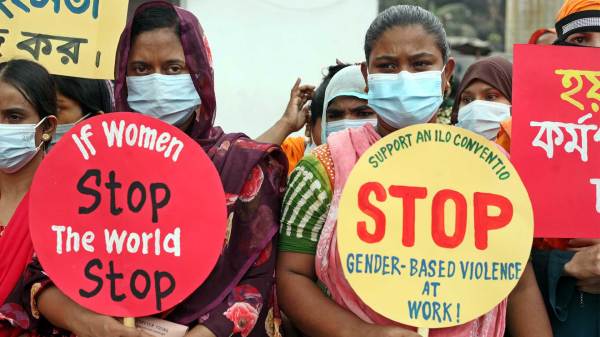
[45, 137]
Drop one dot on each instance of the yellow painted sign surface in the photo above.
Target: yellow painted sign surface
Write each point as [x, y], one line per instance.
[434, 226]
[69, 37]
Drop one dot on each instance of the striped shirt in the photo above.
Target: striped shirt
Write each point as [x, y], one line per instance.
[305, 207]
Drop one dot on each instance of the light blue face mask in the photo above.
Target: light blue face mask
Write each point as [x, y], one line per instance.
[62, 129]
[405, 99]
[344, 124]
[17, 145]
[170, 98]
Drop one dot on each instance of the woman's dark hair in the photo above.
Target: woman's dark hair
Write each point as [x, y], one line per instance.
[91, 95]
[407, 15]
[316, 106]
[33, 82]
[153, 18]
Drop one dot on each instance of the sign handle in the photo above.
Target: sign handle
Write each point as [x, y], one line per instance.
[129, 322]
[424, 332]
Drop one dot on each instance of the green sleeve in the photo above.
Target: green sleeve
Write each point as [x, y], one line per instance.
[305, 207]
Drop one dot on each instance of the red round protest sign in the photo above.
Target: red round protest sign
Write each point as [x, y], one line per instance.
[127, 215]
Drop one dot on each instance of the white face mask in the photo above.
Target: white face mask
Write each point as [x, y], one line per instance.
[483, 117]
[62, 129]
[170, 98]
[17, 145]
[344, 124]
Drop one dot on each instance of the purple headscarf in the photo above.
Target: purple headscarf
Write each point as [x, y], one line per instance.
[234, 156]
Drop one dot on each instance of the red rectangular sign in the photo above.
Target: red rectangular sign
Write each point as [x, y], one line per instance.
[556, 137]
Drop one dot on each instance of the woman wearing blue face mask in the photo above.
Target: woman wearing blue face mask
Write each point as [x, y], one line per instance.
[164, 70]
[408, 69]
[78, 99]
[27, 123]
[483, 101]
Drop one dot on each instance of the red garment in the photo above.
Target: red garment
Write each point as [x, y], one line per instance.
[16, 249]
[538, 33]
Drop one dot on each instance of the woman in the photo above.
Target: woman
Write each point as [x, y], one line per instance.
[483, 100]
[567, 270]
[340, 102]
[78, 99]
[164, 70]
[402, 40]
[483, 105]
[27, 123]
[577, 23]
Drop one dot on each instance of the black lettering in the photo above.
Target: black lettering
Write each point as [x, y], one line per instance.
[158, 276]
[156, 205]
[136, 185]
[112, 185]
[113, 277]
[89, 191]
[134, 290]
[90, 276]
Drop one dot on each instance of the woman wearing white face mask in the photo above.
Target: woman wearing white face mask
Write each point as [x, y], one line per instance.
[27, 123]
[345, 104]
[78, 99]
[483, 100]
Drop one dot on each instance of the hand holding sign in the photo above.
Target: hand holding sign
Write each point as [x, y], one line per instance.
[434, 226]
[119, 219]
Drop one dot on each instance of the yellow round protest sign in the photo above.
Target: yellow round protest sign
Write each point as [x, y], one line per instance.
[434, 226]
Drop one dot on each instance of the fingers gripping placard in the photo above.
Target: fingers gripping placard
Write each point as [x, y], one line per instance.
[434, 226]
[127, 215]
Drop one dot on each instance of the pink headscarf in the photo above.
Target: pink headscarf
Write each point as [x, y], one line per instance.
[346, 147]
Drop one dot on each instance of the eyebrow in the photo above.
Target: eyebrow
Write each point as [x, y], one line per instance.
[421, 54]
[13, 110]
[361, 108]
[385, 58]
[333, 110]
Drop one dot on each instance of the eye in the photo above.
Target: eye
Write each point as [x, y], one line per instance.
[364, 113]
[140, 69]
[14, 118]
[174, 69]
[387, 66]
[580, 39]
[334, 115]
[421, 65]
[466, 99]
[491, 97]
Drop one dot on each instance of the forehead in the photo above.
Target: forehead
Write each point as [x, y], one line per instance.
[405, 41]
[478, 86]
[11, 97]
[346, 102]
[162, 43]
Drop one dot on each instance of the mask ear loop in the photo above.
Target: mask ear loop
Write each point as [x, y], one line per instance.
[45, 136]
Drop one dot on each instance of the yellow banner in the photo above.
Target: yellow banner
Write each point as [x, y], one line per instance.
[69, 37]
[434, 226]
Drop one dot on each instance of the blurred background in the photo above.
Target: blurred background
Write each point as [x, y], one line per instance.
[260, 47]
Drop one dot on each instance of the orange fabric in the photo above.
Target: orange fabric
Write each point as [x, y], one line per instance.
[574, 6]
[293, 147]
[324, 155]
[503, 138]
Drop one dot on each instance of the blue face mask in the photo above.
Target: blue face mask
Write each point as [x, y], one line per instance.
[170, 98]
[62, 129]
[344, 124]
[405, 99]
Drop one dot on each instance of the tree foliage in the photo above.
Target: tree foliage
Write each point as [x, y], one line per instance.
[483, 19]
